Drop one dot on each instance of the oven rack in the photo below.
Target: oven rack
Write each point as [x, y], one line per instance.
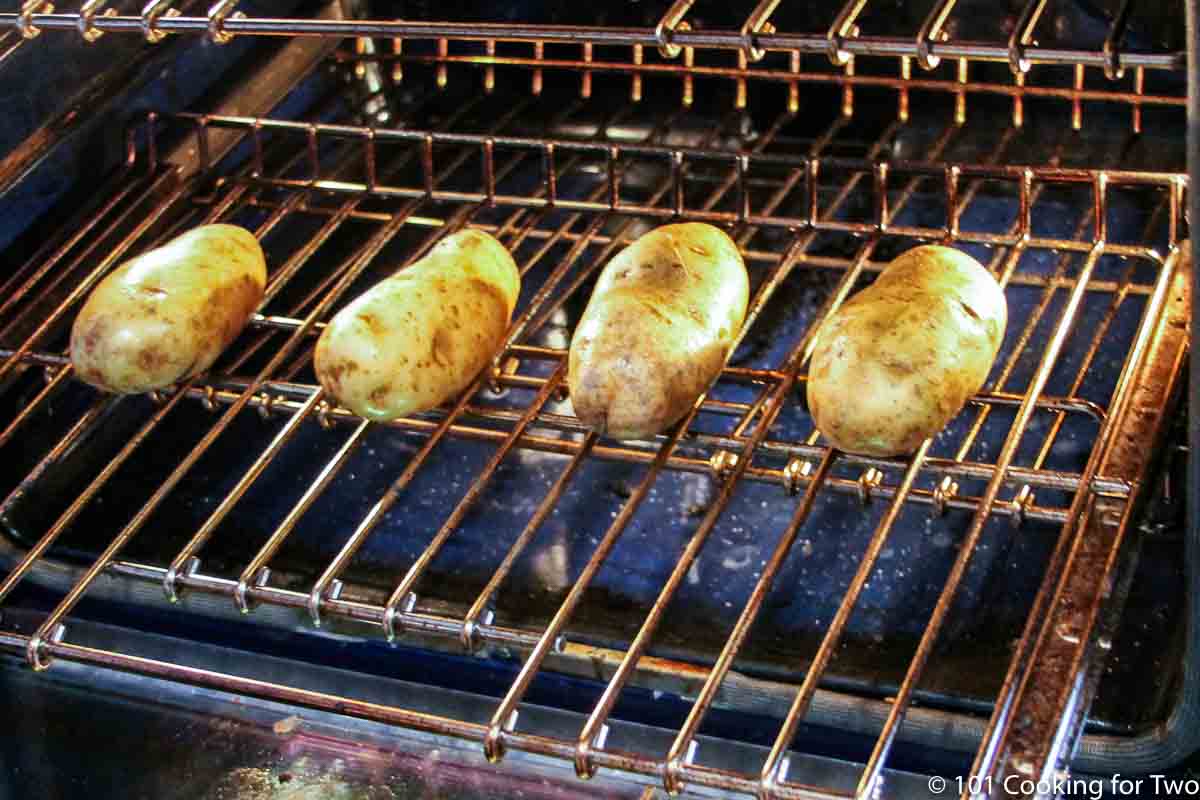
[754, 54]
[671, 36]
[1092, 524]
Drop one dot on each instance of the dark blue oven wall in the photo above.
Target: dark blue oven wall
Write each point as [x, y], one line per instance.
[86, 96]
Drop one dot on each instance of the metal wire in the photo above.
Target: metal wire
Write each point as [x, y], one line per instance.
[669, 34]
[592, 228]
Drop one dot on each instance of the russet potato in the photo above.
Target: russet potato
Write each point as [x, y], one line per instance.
[901, 358]
[166, 315]
[418, 338]
[657, 330]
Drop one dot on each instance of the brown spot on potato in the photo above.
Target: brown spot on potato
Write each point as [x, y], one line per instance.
[379, 394]
[231, 306]
[490, 294]
[243, 245]
[993, 330]
[374, 325]
[151, 359]
[93, 333]
[653, 309]
[90, 375]
[331, 375]
[191, 369]
[441, 349]
[156, 292]
[902, 367]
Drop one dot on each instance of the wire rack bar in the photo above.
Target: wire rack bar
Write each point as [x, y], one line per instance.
[862, 45]
[1075, 94]
[1063, 635]
[751, 255]
[692, 158]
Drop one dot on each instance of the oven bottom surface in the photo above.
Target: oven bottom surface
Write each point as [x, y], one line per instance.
[114, 735]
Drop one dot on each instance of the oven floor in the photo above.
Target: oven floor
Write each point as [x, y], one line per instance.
[75, 742]
[72, 741]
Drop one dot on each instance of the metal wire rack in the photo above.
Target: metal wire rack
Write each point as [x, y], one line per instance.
[841, 41]
[752, 53]
[398, 179]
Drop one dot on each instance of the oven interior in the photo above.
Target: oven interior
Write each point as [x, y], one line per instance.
[733, 584]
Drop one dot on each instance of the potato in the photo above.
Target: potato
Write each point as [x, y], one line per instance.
[418, 338]
[657, 330]
[166, 315]
[900, 359]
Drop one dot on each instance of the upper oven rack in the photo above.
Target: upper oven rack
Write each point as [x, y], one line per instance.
[751, 58]
[754, 37]
[1102, 493]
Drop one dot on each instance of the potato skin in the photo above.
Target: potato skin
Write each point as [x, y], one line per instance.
[901, 358]
[166, 315]
[657, 330]
[416, 339]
